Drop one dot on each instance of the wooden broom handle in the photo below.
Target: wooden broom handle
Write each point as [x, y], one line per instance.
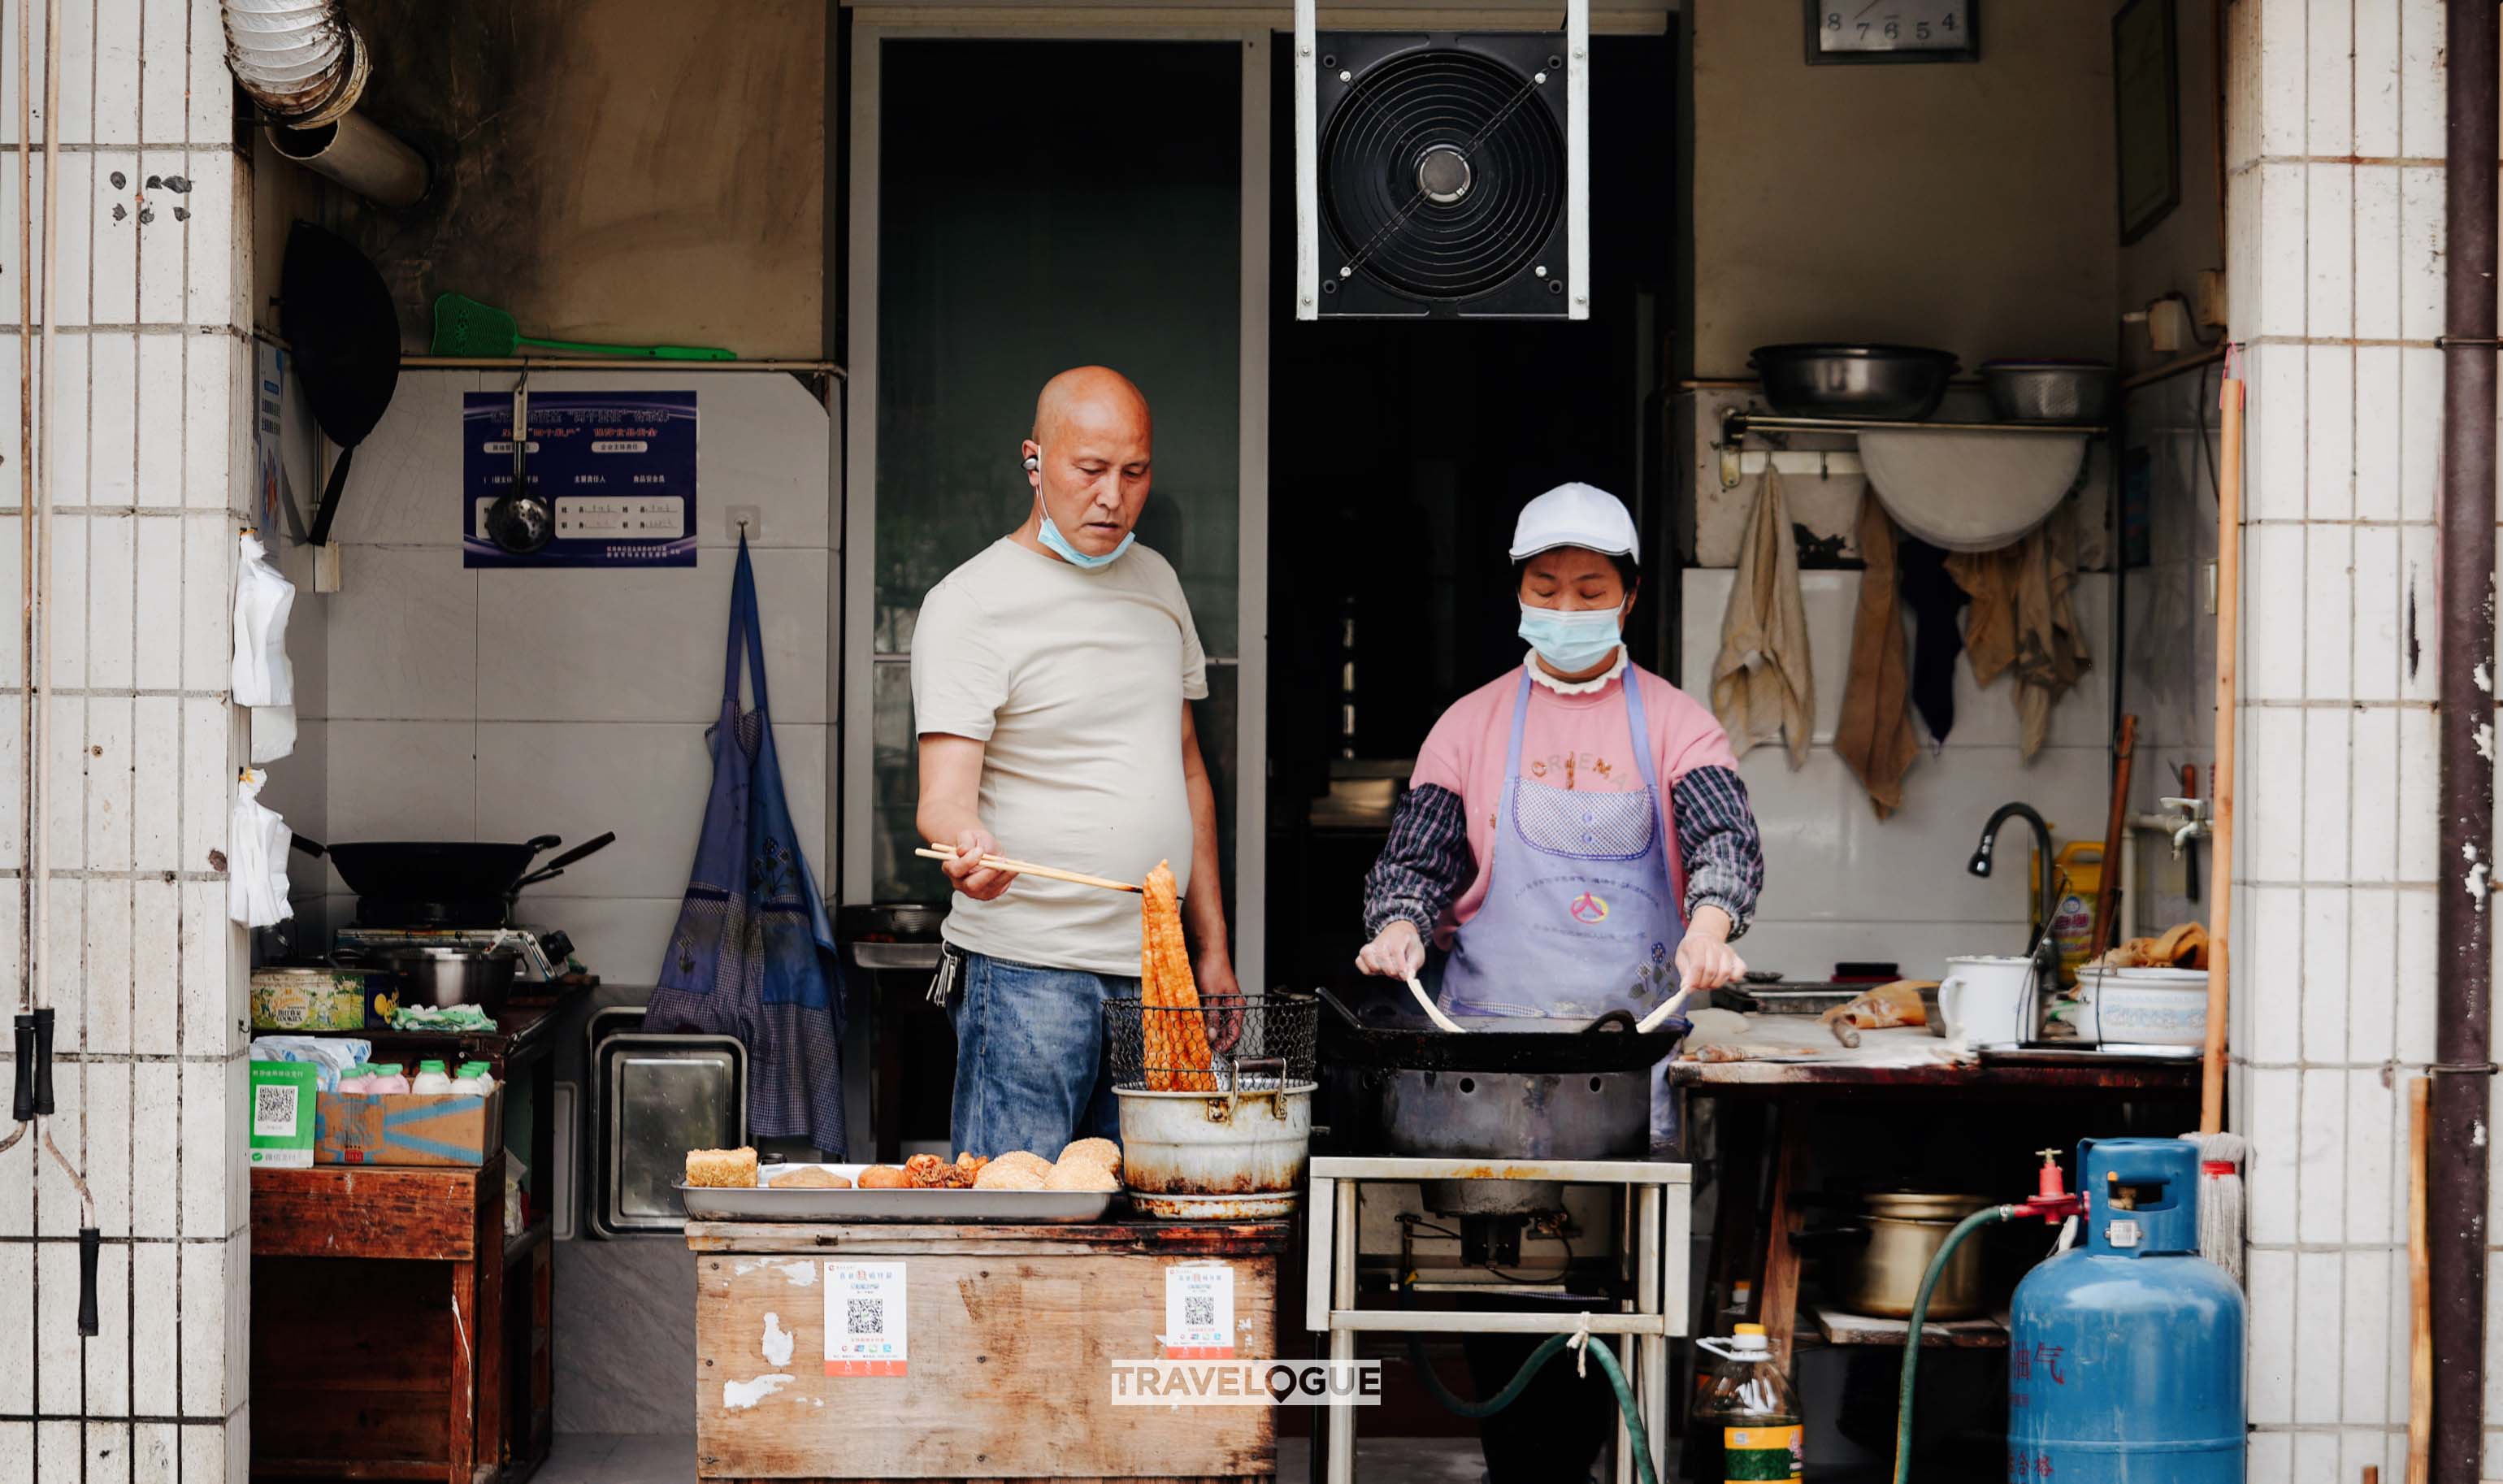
[2114, 840]
[2220, 792]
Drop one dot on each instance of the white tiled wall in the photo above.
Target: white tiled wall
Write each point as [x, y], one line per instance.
[499, 705]
[151, 430]
[1840, 884]
[2334, 138]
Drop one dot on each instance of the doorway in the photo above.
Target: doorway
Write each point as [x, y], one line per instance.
[1400, 452]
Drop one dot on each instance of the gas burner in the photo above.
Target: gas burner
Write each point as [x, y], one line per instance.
[544, 950]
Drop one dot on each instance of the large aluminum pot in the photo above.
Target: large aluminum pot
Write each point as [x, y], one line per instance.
[1883, 382]
[1217, 1155]
[1905, 1230]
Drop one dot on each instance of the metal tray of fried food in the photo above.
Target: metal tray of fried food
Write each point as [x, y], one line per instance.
[817, 1203]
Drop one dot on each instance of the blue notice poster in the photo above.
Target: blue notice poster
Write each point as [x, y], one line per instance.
[617, 467]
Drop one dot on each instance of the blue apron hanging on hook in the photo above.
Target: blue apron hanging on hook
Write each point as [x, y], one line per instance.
[753, 955]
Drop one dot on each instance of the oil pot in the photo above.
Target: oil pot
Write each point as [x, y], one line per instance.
[1905, 1229]
[1234, 1154]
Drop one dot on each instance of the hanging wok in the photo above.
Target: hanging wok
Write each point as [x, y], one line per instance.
[448, 870]
[340, 326]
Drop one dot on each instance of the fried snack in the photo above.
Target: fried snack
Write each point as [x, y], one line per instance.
[722, 1168]
[1175, 1049]
[926, 1172]
[884, 1177]
[1001, 1175]
[1080, 1175]
[1017, 1159]
[1102, 1153]
[1880, 1008]
[809, 1177]
[972, 1163]
[2184, 947]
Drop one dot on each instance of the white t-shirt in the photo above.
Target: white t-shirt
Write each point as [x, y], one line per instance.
[1073, 682]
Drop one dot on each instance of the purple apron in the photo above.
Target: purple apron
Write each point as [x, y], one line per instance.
[1583, 913]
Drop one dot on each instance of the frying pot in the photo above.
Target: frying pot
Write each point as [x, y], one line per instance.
[444, 977]
[448, 870]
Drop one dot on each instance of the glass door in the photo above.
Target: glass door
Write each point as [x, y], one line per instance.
[1035, 204]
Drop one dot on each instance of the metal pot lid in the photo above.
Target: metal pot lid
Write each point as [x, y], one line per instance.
[1922, 1205]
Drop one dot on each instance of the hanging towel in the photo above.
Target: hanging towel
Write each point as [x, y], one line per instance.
[1762, 682]
[257, 842]
[753, 955]
[261, 677]
[1875, 735]
[1938, 634]
[2024, 621]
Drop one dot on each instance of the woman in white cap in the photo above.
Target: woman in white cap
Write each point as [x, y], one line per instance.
[1575, 839]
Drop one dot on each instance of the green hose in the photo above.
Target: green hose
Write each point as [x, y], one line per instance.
[1912, 1338]
[1637, 1437]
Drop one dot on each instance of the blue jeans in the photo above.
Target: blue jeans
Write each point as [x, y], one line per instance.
[1030, 1068]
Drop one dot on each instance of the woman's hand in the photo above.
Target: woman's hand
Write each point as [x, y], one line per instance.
[1705, 958]
[1399, 954]
[966, 871]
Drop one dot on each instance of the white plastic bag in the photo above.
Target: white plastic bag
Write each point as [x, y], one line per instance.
[256, 843]
[273, 732]
[262, 676]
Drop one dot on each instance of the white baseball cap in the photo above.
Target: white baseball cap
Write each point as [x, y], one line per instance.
[1576, 515]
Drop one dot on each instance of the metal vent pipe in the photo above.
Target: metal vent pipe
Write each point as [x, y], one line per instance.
[305, 66]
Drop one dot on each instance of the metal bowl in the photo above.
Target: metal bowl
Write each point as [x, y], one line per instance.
[1890, 382]
[444, 977]
[2049, 391]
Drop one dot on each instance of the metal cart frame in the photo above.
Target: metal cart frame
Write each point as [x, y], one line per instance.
[1661, 1195]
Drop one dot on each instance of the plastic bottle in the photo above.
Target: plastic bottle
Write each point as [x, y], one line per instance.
[431, 1081]
[386, 1078]
[1747, 1422]
[473, 1079]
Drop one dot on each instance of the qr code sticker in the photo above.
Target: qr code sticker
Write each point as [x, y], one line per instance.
[1199, 1311]
[273, 1111]
[863, 1316]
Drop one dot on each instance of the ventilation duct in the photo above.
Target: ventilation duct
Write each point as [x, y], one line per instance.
[305, 66]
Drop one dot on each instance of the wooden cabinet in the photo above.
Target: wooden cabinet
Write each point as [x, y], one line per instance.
[1011, 1335]
[383, 1337]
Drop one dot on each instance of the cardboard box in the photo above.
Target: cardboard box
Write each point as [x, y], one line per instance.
[408, 1128]
[281, 1113]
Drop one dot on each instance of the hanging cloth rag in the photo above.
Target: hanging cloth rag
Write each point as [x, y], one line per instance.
[257, 842]
[2024, 621]
[1762, 682]
[261, 676]
[1938, 632]
[753, 955]
[1874, 736]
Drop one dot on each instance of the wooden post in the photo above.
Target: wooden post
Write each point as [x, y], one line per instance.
[2420, 1292]
[2229, 639]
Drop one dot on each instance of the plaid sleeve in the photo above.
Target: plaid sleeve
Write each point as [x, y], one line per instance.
[1717, 841]
[1425, 864]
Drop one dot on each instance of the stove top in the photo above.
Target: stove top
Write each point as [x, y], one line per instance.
[544, 950]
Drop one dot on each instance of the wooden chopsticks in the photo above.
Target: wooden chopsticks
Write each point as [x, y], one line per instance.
[1028, 868]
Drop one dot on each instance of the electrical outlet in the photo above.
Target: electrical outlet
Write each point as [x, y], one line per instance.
[2208, 305]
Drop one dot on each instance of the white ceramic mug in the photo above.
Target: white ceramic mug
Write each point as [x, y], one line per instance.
[1989, 1001]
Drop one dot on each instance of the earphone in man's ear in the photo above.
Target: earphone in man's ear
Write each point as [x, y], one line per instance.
[1034, 463]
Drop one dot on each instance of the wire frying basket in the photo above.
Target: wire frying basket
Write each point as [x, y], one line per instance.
[1253, 1043]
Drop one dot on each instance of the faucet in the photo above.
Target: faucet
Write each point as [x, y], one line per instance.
[2040, 940]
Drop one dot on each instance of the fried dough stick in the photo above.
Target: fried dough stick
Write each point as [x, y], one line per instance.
[1177, 1045]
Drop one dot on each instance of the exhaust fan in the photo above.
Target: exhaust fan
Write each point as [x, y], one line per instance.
[1442, 175]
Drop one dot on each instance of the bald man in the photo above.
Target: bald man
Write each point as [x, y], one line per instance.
[1052, 678]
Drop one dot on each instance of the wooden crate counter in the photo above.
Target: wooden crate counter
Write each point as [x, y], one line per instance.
[1009, 1337]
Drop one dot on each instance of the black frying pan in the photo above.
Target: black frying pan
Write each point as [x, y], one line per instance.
[340, 326]
[447, 870]
[1385, 1037]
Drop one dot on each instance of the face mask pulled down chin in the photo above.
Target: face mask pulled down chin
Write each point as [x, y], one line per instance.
[1051, 537]
[1571, 643]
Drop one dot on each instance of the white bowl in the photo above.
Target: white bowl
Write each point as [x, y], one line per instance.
[2144, 1007]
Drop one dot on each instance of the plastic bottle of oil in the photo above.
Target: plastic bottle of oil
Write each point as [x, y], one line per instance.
[1746, 1424]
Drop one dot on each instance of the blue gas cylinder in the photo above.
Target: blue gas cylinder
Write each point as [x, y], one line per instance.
[2125, 1353]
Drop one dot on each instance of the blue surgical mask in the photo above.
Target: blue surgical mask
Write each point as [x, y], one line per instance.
[1571, 643]
[1051, 537]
